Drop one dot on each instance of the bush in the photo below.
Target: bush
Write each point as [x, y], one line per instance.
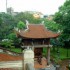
[6, 43]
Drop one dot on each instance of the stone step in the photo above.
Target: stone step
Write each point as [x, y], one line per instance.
[10, 64]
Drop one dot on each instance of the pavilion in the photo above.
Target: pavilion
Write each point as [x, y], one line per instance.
[36, 36]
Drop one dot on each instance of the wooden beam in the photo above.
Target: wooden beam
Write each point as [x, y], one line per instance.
[39, 46]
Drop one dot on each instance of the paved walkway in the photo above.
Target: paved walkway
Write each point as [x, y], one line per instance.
[17, 65]
[8, 57]
[51, 67]
[63, 64]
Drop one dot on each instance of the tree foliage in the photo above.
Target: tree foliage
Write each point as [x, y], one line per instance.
[6, 43]
[51, 25]
[7, 22]
[23, 16]
[21, 25]
[16, 41]
[62, 17]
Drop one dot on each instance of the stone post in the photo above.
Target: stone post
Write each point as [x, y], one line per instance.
[48, 55]
[28, 58]
[33, 49]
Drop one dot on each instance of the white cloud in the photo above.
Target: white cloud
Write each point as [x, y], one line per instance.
[44, 6]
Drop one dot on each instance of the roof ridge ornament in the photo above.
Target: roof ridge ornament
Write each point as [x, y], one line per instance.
[27, 23]
[16, 29]
[42, 23]
[58, 31]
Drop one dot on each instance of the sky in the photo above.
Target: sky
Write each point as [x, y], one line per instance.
[48, 7]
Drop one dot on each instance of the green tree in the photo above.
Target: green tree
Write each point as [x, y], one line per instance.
[23, 16]
[7, 43]
[21, 25]
[7, 23]
[62, 17]
[16, 41]
[51, 25]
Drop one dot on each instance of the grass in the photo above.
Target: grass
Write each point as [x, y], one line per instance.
[17, 50]
[58, 56]
[44, 51]
[62, 53]
[61, 56]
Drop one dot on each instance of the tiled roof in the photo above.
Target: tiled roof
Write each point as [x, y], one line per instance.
[37, 31]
